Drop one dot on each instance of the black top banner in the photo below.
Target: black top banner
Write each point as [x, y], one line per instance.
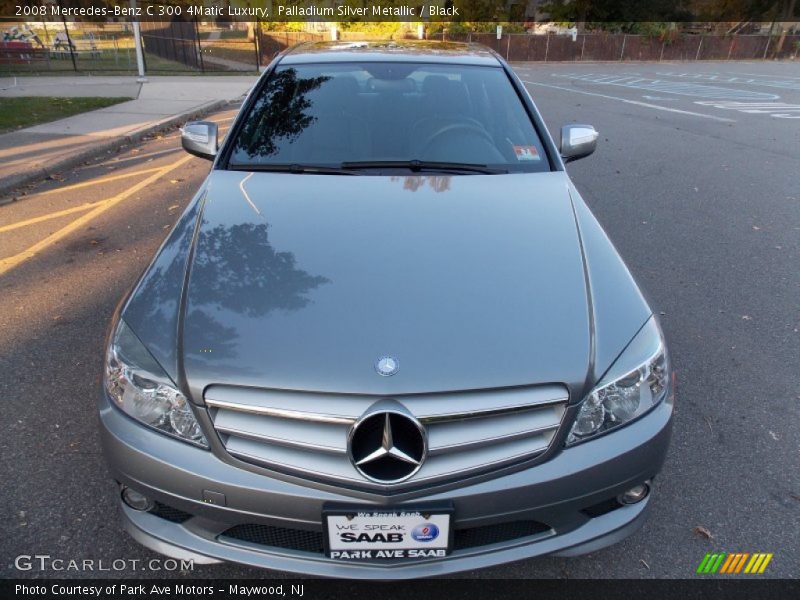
[410, 11]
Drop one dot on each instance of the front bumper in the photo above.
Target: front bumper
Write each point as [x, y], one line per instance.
[568, 494]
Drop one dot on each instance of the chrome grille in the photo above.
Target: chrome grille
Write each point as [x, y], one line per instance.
[306, 433]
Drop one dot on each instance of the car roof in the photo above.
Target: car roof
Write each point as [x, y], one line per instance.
[426, 51]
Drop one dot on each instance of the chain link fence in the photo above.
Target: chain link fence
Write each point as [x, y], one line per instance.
[53, 47]
[198, 47]
[628, 47]
[169, 47]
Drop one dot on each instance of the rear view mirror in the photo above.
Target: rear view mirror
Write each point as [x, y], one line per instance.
[200, 138]
[577, 141]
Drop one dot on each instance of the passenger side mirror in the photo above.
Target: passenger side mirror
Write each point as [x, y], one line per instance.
[577, 141]
[200, 138]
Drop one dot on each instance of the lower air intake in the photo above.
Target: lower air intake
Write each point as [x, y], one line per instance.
[169, 513]
[301, 540]
[277, 537]
[486, 535]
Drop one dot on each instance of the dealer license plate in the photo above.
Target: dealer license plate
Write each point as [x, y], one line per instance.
[387, 534]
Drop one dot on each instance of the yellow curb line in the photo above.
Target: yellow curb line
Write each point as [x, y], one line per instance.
[9, 263]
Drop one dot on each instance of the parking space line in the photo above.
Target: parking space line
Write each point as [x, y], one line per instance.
[778, 110]
[764, 75]
[9, 263]
[83, 184]
[776, 82]
[47, 217]
[175, 136]
[634, 102]
[671, 87]
[116, 161]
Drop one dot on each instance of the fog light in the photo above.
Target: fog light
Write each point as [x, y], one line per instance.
[136, 500]
[636, 494]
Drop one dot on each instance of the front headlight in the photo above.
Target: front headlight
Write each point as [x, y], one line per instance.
[636, 382]
[139, 387]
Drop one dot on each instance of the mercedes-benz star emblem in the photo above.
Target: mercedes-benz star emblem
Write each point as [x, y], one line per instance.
[387, 447]
[387, 366]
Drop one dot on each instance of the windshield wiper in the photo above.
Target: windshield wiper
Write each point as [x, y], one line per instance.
[421, 165]
[293, 168]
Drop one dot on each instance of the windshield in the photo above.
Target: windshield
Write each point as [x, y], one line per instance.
[384, 116]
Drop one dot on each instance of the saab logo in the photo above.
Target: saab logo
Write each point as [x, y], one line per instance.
[350, 536]
[734, 563]
[427, 532]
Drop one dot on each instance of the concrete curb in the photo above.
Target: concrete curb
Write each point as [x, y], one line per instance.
[12, 182]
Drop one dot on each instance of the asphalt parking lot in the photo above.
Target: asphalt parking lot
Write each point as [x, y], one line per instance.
[696, 180]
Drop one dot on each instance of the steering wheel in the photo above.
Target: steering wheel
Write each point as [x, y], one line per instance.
[455, 128]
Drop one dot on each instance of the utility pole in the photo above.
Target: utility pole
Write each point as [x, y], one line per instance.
[788, 14]
[69, 39]
[137, 40]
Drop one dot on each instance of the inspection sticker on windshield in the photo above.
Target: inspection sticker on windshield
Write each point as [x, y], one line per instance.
[376, 535]
[526, 153]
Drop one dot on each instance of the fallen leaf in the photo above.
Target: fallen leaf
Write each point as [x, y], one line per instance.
[702, 532]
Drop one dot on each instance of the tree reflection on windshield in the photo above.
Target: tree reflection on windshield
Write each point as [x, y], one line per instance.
[282, 110]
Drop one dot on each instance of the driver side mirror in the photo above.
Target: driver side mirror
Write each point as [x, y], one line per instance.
[577, 141]
[200, 138]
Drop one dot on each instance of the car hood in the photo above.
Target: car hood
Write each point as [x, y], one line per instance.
[305, 281]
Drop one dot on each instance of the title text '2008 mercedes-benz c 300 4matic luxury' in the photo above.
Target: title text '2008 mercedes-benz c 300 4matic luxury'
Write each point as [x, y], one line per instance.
[387, 338]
